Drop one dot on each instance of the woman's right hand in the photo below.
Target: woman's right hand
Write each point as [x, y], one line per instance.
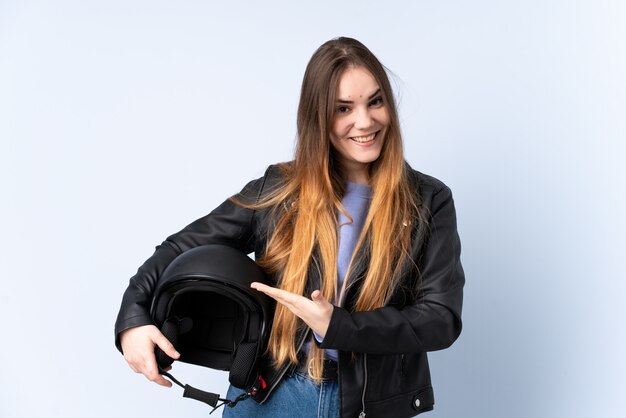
[138, 347]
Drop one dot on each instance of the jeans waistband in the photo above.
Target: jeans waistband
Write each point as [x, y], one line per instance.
[329, 371]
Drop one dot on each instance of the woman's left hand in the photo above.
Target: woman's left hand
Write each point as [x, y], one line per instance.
[315, 312]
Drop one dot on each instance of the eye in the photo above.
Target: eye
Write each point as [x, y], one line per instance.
[377, 102]
[343, 109]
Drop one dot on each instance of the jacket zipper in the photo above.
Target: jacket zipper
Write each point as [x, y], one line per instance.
[285, 368]
[362, 413]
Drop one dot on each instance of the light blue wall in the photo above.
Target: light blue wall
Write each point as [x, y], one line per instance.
[121, 121]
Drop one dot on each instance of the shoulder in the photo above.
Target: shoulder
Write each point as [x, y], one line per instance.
[275, 177]
[263, 189]
[278, 172]
[425, 184]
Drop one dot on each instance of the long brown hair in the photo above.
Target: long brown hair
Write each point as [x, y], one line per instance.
[307, 203]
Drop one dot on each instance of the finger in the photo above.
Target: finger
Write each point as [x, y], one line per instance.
[153, 375]
[167, 347]
[163, 382]
[269, 291]
[135, 361]
[318, 298]
[317, 295]
[260, 287]
[280, 295]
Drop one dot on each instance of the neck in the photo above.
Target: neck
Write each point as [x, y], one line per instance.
[358, 174]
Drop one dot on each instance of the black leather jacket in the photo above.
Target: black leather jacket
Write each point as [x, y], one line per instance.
[389, 375]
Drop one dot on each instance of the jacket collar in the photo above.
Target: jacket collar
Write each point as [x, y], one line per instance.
[352, 281]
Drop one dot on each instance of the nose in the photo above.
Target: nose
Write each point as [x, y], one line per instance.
[363, 119]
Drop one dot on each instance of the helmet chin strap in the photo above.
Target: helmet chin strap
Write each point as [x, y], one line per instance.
[209, 398]
[172, 328]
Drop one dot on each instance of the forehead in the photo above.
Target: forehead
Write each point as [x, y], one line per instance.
[355, 83]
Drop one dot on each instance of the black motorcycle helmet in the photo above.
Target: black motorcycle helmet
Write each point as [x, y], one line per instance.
[205, 307]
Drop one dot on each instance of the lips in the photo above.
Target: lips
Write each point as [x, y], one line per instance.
[364, 139]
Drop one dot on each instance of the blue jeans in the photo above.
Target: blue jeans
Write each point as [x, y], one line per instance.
[297, 395]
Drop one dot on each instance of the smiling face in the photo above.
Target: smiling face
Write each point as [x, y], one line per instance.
[359, 123]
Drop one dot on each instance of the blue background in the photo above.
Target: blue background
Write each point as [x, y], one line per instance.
[122, 121]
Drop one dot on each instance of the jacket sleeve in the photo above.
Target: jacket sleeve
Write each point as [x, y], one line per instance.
[229, 224]
[433, 321]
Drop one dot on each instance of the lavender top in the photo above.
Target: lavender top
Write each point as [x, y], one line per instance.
[356, 201]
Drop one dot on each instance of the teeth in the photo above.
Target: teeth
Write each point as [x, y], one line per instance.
[363, 138]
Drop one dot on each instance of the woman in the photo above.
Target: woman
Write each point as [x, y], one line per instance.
[363, 251]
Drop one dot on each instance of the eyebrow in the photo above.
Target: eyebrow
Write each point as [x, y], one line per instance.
[369, 98]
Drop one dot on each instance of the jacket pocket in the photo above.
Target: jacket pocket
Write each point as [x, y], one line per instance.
[384, 376]
[406, 404]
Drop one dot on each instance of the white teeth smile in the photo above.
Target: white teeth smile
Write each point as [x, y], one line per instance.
[362, 139]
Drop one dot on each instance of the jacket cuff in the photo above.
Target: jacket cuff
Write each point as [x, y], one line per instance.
[337, 317]
[133, 321]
